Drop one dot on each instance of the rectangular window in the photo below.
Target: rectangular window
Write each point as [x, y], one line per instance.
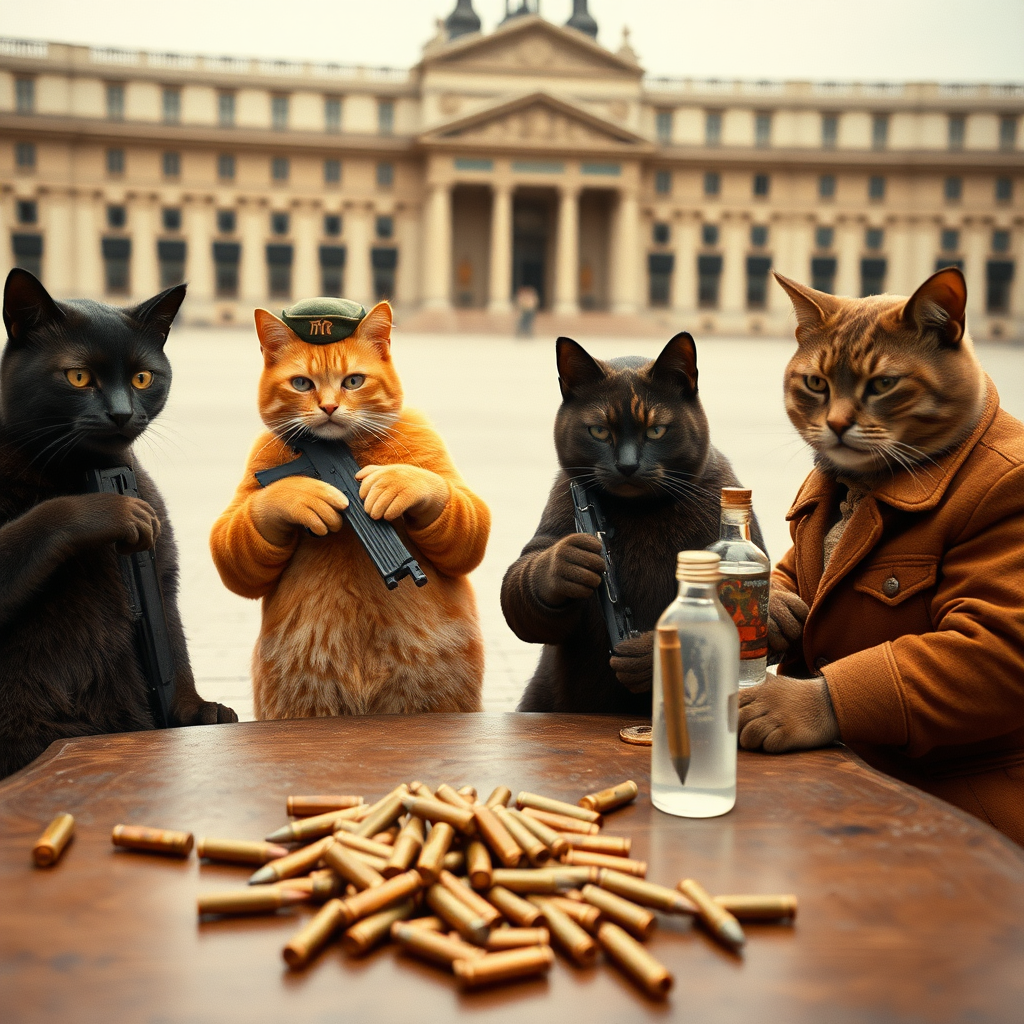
[758, 268]
[385, 226]
[949, 240]
[829, 131]
[279, 223]
[226, 257]
[332, 269]
[172, 219]
[763, 130]
[663, 182]
[957, 131]
[879, 131]
[25, 95]
[1008, 132]
[660, 233]
[170, 255]
[659, 278]
[332, 172]
[279, 112]
[762, 183]
[117, 217]
[332, 224]
[385, 175]
[28, 253]
[27, 211]
[172, 165]
[172, 106]
[712, 183]
[332, 113]
[709, 276]
[115, 161]
[25, 155]
[758, 235]
[279, 271]
[709, 234]
[386, 117]
[1004, 190]
[279, 168]
[998, 278]
[226, 167]
[874, 238]
[117, 253]
[1000, 240]
[115, 102]
[384, 262]
[876, 187]
[226, 109]
[713, 128]
[827, 186]
[663, 126]
[953, 189]
[226, 222]
[823, 274]
[824, 237]
[872, 276]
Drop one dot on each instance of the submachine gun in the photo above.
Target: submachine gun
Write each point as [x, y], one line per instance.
[332, 462]
[587, 514]
[146, 603]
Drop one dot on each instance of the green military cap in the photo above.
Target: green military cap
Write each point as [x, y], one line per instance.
[323, 320]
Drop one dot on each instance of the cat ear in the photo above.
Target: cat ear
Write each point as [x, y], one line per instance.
[158, 313]
[678, 362]
[27, 304]
[275, 336]
[577, 368]
[376, 326]
[939, 305]
[812, 307]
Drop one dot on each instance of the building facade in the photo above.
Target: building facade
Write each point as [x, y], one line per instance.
[527, 156]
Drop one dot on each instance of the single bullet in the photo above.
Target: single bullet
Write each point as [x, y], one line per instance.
[326, 884]
[455, 861]
[568, 935]
[497, 837]
[407, 846]
[759, 908]
[364, 845]
[514, 908]
[670, 657]
[304, 884]
[389, 810]
[647, 894]
[507, 966]
[638, 921]
[525, 880]
[562, 822]
[449, 795]
[369, 901]
[420, 789]
[584, 858]
[501, 795]
[610, 799]
[264, 900]
[582, 913]
[431, 859]
[386, 838]
[490, 914]
[465, 920]
[313, 935]
[537, 853]
[313, 827]
[722, 925]
[514, 938]
[152, 840]
[617, 846]
[554, 841]
[478, 864]
[546, 803]
[50, 845]
[648, 973]
[573, 876]
[435, 811]
[431, 946]
[239, 851]
[306, 806]
[469, 792]
[373, 930]
[296, 863]
[432, 923]
[345, 862]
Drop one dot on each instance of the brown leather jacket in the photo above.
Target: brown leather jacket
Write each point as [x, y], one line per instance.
[918, 623]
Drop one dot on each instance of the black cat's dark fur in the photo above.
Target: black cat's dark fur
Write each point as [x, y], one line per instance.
[68, 665]
[660, 495]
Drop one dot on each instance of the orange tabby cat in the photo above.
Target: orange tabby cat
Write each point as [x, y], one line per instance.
[333, 639]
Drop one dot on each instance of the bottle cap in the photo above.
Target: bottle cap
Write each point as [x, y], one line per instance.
[735, 497]
[698, 567]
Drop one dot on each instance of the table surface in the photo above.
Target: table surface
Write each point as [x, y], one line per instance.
[909, 910]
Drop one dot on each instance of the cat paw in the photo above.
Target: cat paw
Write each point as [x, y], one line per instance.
[209, 712]
[570, 570]
[130, 524]
[633, 662]
[389, 492]
[297, 501]
[787, 613]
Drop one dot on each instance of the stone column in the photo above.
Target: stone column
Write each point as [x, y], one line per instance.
[500, 287]
[199, 254]
[900, 279]
[849, 242]
[87, 277]
[684, 283]
[253, 282]
[625, 253]
[143, 214]
[795, 257]
[733, 297]
[1017, 289]
[306, 266]
[975, 247]
[567, 254]
[358, 274]
[58, 246]
[437, 249]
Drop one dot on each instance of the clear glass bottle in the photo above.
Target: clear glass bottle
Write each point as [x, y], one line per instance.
[744, 587]
[696, 677]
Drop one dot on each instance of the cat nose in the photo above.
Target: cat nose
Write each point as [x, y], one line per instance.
[329, 409]
[627, 468]
[120, 418]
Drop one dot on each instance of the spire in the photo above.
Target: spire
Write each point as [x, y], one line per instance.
[581, 19]
[463, 20]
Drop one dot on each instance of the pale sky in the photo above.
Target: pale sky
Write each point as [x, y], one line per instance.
[873, 40]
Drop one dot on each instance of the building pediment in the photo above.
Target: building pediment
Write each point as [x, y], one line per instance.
[537, 121]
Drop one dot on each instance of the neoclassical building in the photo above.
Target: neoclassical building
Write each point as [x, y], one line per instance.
[529, 155]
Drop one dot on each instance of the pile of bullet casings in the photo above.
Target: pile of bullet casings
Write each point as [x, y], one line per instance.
[482, 889]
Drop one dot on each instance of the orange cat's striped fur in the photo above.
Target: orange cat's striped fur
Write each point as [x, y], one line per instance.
[333, 639]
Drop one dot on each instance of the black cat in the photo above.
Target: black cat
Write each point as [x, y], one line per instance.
[635, 431]
[79, 382]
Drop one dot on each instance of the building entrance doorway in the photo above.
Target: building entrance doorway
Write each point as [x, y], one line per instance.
[532, 242]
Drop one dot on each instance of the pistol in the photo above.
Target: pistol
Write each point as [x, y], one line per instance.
[333, 462]
[587, 513]
[146, 602]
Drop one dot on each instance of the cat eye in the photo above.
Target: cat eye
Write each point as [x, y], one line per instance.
[142, 380]
[879, 385]
[80, 377]
[656, 433]
[353, 381]
[601, 433]
[302, 384]
[816, 384]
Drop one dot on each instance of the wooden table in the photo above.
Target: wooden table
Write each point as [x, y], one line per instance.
[909, 910]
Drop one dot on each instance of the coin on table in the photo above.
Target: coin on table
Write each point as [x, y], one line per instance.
[639, 735]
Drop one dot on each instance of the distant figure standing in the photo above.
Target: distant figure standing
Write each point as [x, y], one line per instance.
[527, 301]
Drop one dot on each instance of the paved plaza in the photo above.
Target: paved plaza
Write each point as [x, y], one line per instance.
[493, 399]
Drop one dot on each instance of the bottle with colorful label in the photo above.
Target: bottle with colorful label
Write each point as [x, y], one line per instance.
[743, 589]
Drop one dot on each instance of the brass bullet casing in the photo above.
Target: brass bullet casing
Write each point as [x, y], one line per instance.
[638, 921]
[385, 838]
[718, 921]
[304, 884]
[759, 908]
[556, 843]
[363, 845]
[314, 827]
[431, 859]
[351, 868]
[525, 880]
[297, 863]
[369, 901]
[501, 795]
[432, 923]
[584, 858]
[582, 913]
[473, 900]
[454, 860]
[388, 810]
[239, 851]
[325, 884]
[313, 935]
[50, 845]
[469, 792]
[612, 798]
[514, 908]
[431, 946]
[572, 876]
[377, 863]
[373, 930]
[449, 795]
[507, 966]
[497, 837]
[537, 853]
[435, 811]
[562, 822]
[420, 789]
[306, 806]
[617, 846]
[546, 803]
[652, 976]
[647, 894]
[264, 900]
[407, 846]
[478, 864]
[514, 938]
[466, 921]
[152, 840]
[568, 935]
